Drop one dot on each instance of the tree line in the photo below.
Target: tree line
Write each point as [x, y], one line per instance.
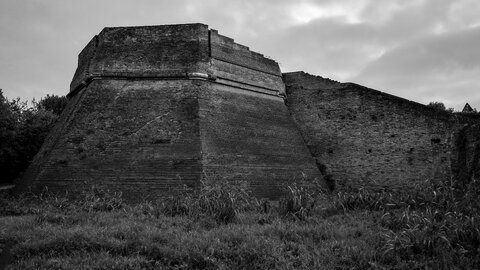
[23, 129]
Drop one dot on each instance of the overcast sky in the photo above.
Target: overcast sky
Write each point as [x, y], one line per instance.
[422, 50]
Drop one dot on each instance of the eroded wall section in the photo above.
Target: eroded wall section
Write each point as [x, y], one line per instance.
[361, 137]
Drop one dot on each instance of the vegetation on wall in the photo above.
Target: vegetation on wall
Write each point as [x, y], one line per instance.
[23, 129]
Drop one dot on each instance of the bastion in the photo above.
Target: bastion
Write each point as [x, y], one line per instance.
[155, 108]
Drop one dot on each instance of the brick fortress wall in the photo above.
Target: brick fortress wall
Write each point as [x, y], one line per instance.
[362, 137]
[157, 107]
[153, 108]
[132, 122]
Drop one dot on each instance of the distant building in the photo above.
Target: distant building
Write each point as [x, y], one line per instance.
[467, 109]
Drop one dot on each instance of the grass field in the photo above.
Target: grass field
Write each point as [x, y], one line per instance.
[221, 226]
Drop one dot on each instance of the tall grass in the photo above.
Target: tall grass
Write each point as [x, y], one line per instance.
[221, 201]
[434, 225]
[221, 225]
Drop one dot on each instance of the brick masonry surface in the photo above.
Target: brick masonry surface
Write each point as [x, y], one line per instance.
[248, 136]
[138, 137]
[361, 137]
[155, 108]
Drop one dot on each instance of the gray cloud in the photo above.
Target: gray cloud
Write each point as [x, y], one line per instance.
[442, 67]
[420, 49]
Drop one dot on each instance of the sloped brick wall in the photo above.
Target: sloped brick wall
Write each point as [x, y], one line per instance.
[363, 137]
[139, 137]
[155, 108]
[251, 137]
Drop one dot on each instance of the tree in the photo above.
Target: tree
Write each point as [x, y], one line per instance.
[53, 103]
[23, 130]
[439, 106]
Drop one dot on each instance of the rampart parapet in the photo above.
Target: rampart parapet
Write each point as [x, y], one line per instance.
[175, 52]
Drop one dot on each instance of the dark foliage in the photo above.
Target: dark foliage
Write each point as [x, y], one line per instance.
[53, 103]
[439, 106]
[23, 130]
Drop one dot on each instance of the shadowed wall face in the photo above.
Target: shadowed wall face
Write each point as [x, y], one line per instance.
[366, 138]
[138, 137]
[466, 152]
